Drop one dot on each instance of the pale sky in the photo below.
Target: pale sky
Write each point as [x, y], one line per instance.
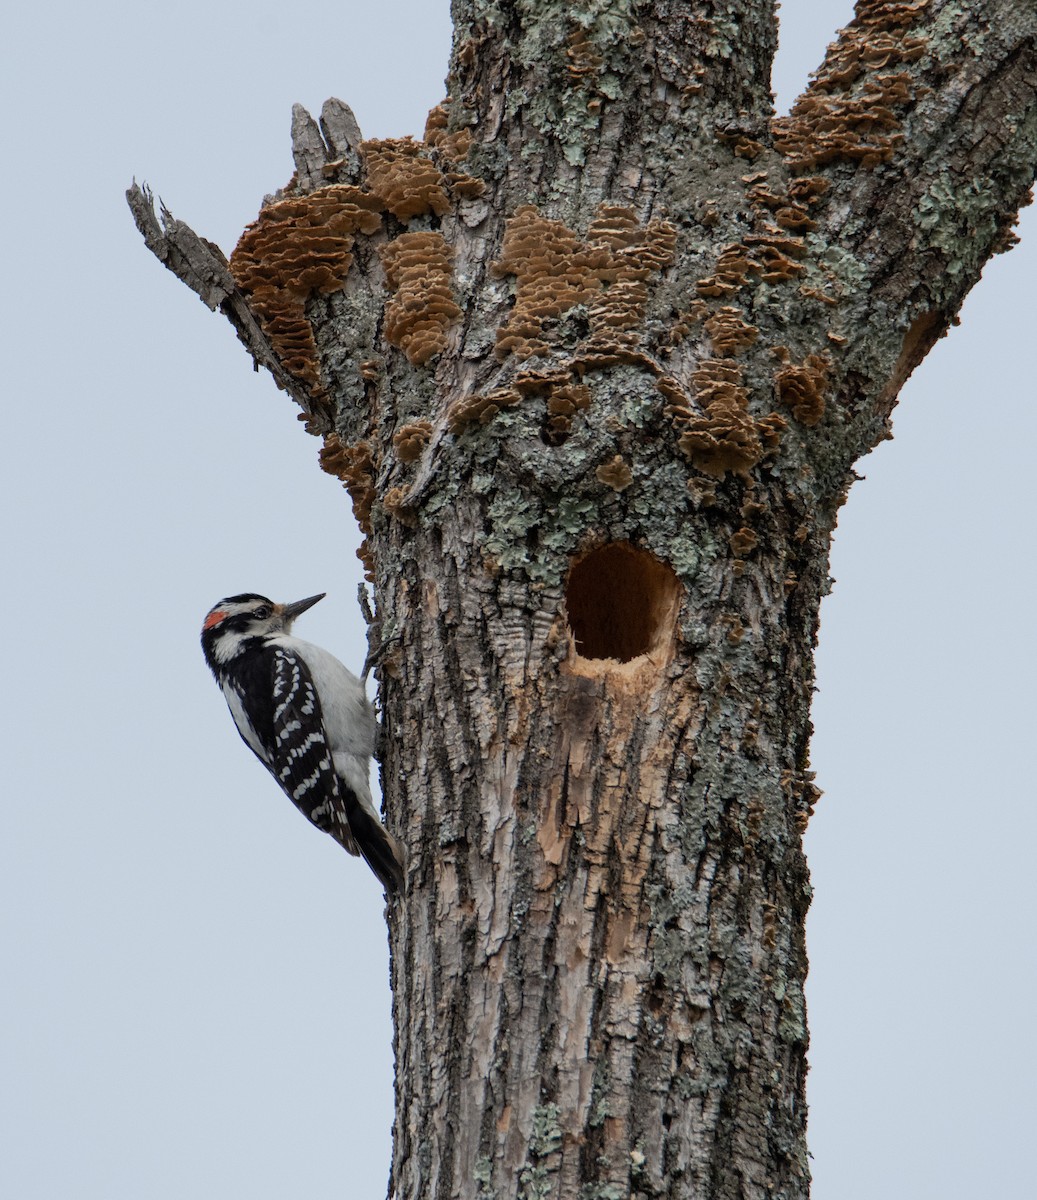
[195, 996]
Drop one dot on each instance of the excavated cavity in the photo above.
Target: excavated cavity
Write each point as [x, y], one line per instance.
[622, 603]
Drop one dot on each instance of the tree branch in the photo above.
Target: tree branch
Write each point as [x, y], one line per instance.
[202, 265]
[923, 122]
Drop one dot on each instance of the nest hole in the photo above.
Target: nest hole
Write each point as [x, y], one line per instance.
[622, 603]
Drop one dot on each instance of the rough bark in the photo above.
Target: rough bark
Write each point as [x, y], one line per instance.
[595, 360]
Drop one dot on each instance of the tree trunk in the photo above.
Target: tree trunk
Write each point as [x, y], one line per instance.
[595, 360]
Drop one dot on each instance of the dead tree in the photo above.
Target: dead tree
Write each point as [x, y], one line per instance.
[594, 361]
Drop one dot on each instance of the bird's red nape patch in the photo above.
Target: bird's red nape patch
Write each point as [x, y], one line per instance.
[213, 619]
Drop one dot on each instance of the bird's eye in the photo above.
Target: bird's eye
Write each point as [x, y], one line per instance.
[262, 612]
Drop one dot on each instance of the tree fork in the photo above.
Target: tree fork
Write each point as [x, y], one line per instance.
[595, 359]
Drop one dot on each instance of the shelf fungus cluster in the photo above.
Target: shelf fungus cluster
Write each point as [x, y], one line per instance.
[615, 474]
[564, 393]
[579, 299]
[605, 276]
[410, 440]
[422, 307]
[710, 409]
[452, 149]
[409, 184]
[851, 111]
[718, 433]
[480, 409]
[355, 466]
[303, 246]
[295, 249]
[801, 388]
[606, 272]
[728, 332]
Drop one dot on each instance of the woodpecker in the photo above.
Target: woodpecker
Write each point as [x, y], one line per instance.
[306, 718]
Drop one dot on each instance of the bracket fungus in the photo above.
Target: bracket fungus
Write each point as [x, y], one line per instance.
[409, 441]
[615, 474]
[422, 307]
[479, 409]
[801, 388]
[721, 436]
[849, 111]
[294, 249]
[408, 184]
[355, 466]
[556, 270]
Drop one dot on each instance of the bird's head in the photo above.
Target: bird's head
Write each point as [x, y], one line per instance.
[238, 622]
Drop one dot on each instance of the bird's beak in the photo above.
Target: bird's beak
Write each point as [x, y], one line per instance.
[290, 611]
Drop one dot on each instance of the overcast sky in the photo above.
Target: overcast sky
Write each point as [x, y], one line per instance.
[195, 995]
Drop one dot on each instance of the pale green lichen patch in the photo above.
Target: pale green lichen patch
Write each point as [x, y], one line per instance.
[961, 218]
[535, 1177]
[792, 1025]
[603, 1191]
[600, 1087]
[484, 1177]
[723, 37]
[944, 31]
[577, 52]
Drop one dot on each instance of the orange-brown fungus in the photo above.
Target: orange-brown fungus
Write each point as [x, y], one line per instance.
[729, 333]
[801, 388]
[799, 787]
[480, 409]
[394, 503]
[417, 317]
[452, 148]
[564, 402]
[808, 189]
[722, 435]
[770, 429]
[741, 144]
[556, 271]
[355, 466]
[681, 326]
[537, 383]
[743, 542]
[408, 184]
[410, 440]
[733, 267]
[436, 123]
[816, 294]
[294, 249]
[615, 474]
[723, 440]
[543, 256]
[565, 398]
[584, 60]
[849, 110]
[465, 187]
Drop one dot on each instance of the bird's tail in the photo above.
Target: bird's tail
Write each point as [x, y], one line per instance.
[377, 846]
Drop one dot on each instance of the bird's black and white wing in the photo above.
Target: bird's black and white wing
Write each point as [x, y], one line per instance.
[303, 764]
[300, 757]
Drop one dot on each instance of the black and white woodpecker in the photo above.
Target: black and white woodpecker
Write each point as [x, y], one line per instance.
[306, 718]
